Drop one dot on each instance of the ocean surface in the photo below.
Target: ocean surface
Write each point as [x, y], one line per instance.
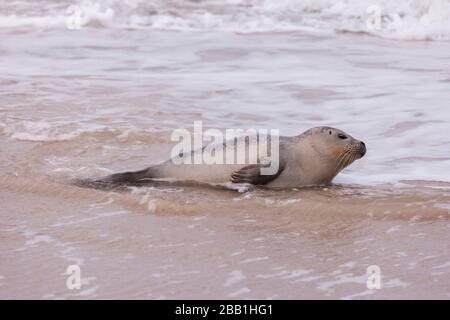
[88, 88]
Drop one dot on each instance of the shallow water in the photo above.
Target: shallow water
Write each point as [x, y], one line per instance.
[88, 102]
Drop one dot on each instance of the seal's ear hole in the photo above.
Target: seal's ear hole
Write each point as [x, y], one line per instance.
[329, 132]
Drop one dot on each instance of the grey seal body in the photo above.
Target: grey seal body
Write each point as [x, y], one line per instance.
[313, 158]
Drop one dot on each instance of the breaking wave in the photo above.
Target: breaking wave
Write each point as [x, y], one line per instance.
[404, 19]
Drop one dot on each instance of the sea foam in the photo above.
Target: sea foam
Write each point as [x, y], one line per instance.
[403, 19]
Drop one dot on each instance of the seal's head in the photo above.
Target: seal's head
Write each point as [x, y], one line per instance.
[336, 146]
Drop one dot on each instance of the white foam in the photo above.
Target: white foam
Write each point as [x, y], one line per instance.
[38, 239]
[239, 292]
[235, 276]
[257, 259]
[48, 131]
[403, 19]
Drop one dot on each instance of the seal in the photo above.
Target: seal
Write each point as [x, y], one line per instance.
[312, 158]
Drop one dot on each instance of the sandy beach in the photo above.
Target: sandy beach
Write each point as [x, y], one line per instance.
[105, 97]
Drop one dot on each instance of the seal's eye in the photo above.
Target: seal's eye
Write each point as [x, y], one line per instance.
[342, 136]
[329, 132]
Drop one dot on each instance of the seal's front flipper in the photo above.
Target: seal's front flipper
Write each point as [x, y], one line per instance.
[252, 174]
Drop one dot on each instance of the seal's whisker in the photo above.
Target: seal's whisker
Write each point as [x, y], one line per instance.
[342, 160]
[349, 159]
[338, 163]
[353, 158]
[341, 165]
[339, 159]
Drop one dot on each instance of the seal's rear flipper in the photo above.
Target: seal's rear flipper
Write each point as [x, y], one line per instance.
[94, 183]
[115, 180]
[127, 177]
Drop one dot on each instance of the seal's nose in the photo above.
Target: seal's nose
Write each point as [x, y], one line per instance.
[363, 149]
